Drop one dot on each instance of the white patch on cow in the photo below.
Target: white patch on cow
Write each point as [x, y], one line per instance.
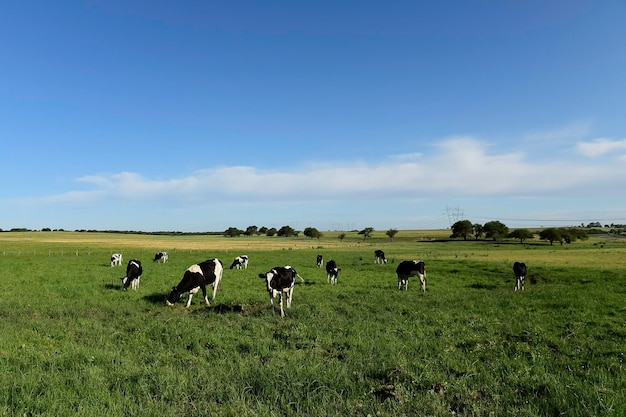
[196, 269]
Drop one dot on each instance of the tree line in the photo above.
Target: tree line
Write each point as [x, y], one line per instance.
[288, 231]
[497, 231]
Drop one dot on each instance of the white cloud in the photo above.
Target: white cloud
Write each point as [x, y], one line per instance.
[568, 133]
[392, 193]
[601, 146]
[460, 167]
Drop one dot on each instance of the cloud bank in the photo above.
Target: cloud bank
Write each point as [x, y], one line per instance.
[402, 191]
[459, 167]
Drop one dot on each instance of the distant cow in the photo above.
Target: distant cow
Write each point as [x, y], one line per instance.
[133, 275]
[519, 268]
[319, 261]
[160, 257]
[279, 280]
[332, 272]
[116, 259]
[240, 262]
[197, 277]
[408, 269]
[379, 257]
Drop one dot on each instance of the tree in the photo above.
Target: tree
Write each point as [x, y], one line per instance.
[521, 234]
[495, 230]
[366, 232]
[251, 230]
[477, 230]
[550, 234]
[462, 228]
[271, 232]
[341, 236]
[312, 232]
[233, 232]
[570, 234]
[391, 233]
[262, 230]
[287, 231]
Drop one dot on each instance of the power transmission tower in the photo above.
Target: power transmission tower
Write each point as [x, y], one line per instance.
[454, 214]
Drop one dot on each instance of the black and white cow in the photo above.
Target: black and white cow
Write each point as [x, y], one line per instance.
[197, 277]
[161, 257]
[408, 269]
[319, 261]
[240, 262]
[279, 280]
[133, 275]
[379, 257]
[116, 259]
[519, 268]
[332, 272]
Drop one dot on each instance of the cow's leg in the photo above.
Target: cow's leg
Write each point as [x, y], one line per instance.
[423, 282]
[191, 293]
[289, 297]
[206, 299]
[215, 285]
[272, 302]
[282, 311]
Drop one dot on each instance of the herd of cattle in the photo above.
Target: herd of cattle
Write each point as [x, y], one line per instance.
[279, 280]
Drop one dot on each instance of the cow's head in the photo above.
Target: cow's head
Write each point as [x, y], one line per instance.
[173, 296]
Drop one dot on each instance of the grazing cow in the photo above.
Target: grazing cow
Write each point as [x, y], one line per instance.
[116, 259]
[161, 257]
[320, 261]
[197, 277]
[379, 257]
[279, 280]
[332, 272]
[240, 262]
[133, 275]
[519, 268]
[408, 269]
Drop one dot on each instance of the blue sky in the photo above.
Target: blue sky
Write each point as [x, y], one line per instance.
[201, 115]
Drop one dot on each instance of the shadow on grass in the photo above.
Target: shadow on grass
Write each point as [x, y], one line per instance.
[482, 286]
[115, 287]
[156, 298]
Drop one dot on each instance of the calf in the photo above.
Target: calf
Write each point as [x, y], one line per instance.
[279, 280]
[161, 257]
[332, 272]
[408, 269]
[197, 277]
[239, 262]
[320, 261]
[116, 259]
[133, 275]
[379, 257]
[519, 268]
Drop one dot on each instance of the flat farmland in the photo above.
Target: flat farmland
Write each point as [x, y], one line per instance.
[73, 343]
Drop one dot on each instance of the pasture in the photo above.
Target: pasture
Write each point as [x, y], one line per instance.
[73, 343]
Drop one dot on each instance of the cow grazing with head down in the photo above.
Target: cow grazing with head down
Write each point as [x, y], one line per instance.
[197, 277]
[332, 272]
[520, 270]
[116, 259]
[319, 261]
[407, 269]
[240, 262]
[280, 280]
[379, 257]
[161, 257]
[133, 275]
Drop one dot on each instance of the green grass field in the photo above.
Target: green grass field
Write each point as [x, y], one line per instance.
[72, 343]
